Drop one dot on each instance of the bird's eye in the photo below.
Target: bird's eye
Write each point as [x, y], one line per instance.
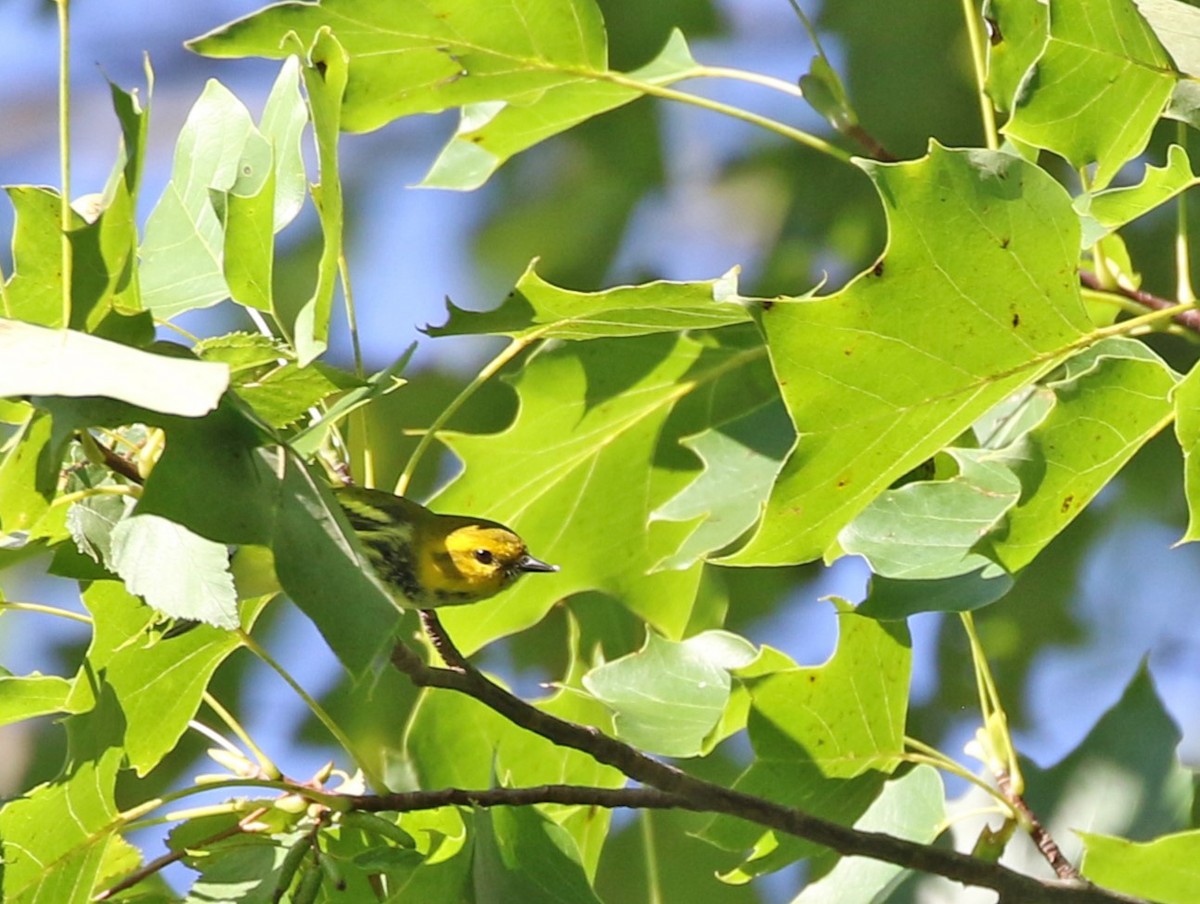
[484, 556]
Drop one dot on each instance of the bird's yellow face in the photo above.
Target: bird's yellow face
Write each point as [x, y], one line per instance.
[472, 561]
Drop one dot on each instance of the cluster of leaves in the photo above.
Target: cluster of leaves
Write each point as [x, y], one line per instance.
[944, 416]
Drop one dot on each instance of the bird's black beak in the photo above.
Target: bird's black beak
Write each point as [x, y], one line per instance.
[529, 563]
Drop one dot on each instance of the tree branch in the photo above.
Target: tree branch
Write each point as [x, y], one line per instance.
[696, 794]
[575, 795]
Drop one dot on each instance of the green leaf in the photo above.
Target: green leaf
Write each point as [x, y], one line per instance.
[1177, 26]
[1106, 211]
[159, 686]
[668, 697]
[134, 117]
[928, 529]
[40, 361]
[586, 461]
[1130, 754]
[286, 394]
[249, 252]
[408, 57]
[325, 77]
[741, 459]
[34, 291]
[520, 855]
[1166, 869]
[537, 309]
[326, 573]
[282, 123]
[974, 297]
[26, 696]
[823, 737]
[103, 255]
[1101, 57]
[1186, 399]
[846, 716]
[911, 807]
[242, 351]
[28, 475]
[491, 132]
[57, 836]
[308, 440]
[183, 249]
[179, 573]
[1113, 398]
[889, 598]
[91, 522]
[1019, 34]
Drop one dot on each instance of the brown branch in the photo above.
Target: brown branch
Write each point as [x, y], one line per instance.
[574, 795]
[1063, 868]
[161, 863]
[705, 796]
[1188, 319]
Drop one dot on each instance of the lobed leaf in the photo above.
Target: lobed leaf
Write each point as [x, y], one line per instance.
[974, 297]
[1104, 212]
[537, 309]
[592, 452]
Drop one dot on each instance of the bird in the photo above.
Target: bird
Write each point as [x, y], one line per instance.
[427, 560]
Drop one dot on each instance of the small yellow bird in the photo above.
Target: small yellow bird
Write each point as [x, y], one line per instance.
[428, 560]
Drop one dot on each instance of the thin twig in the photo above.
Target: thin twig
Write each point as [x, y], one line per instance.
[161, 863]
[705, 796]
[1188, 318]
[1063, 868]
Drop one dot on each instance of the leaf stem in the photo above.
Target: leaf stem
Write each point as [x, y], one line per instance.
[64, 143]
[314, 707]
[115, 489]
[987, 112]
[510, 351]
[931, 756]
[754, 78]
[1183, 261]
[653, 881]
[43, 609]
[765, 122]
[359, 415]
[264, 762]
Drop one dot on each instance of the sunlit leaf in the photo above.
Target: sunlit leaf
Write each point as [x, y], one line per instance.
[1166, 869]
[179, 573]
[409, 57]
[974, 297]
[578, 473]
[1113, 398]
[43, 362]
[183, 249]
[535, 308]
[491, 132]
[1101, 57]
[1108, 210]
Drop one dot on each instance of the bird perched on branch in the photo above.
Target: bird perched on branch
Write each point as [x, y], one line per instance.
[428, 560]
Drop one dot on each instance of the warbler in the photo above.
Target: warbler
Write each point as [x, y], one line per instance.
[428, 560]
